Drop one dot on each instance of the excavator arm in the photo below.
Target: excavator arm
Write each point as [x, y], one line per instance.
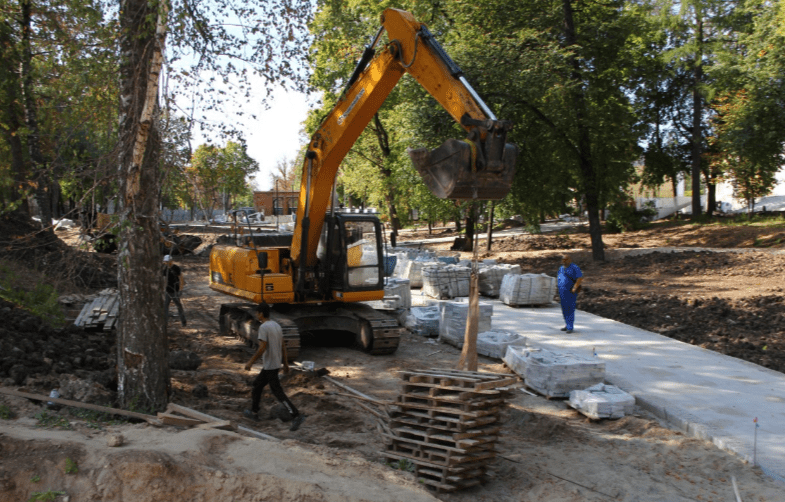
[479, 167]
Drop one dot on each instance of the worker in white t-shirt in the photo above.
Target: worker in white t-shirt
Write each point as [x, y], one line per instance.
[273, 353]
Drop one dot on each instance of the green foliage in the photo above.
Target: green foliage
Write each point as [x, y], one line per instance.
[623, 217]
[5, 412]
[402, 464]
[47, 496]
[47, 419]
[41, 301]
[35, 479]
[70, 466]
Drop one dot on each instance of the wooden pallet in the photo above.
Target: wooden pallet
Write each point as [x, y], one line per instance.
[100, 314]
[445, 422]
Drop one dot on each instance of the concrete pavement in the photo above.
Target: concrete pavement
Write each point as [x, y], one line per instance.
[705, 394]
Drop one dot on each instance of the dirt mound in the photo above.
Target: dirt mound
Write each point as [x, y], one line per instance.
[22, 241]
[749, 329]
[36, 355]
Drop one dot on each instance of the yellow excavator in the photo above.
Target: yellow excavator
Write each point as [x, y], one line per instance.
[316, 277]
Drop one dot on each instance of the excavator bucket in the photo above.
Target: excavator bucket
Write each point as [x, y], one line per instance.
[450, 173]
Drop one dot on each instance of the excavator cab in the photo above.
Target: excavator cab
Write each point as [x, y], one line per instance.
[351, 259]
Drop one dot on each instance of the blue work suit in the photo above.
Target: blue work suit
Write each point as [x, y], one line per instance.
[565, 280]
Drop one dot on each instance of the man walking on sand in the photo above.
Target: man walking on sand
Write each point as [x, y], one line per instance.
[568, 281]
[273, 352]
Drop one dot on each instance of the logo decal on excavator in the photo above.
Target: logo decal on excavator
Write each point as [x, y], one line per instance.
[348, 111]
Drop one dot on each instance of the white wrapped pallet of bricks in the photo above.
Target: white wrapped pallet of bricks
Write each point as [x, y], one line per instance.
[554, 374]
[424, 321]
[414, 271]
[452, 324]
[490, 278]
[527, 289]
[445, 282]
[401, 288]
[494, 343]
[602, 401]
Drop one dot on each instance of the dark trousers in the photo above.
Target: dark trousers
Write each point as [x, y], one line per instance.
[174, 297]
[270, 377]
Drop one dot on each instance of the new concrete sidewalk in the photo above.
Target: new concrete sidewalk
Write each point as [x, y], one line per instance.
[705, 394]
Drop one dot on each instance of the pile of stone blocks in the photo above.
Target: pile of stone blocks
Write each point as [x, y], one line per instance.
[446, 282]
[452, 323]
[397, 293]
[527, 289]
[602, 401]
[491, 276]
[554, 374]
[414, 269]
[446, 423]
[494, 343]
[424, 321]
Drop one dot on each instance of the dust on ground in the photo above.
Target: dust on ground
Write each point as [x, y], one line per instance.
[546, 451]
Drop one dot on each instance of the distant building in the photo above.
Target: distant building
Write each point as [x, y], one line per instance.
[276, 202]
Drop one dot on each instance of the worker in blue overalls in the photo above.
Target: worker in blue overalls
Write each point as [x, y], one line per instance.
[568, 281]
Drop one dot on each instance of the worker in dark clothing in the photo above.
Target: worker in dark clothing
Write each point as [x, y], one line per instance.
[174, 285]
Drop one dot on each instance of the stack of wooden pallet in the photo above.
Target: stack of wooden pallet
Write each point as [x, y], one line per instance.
[445, 423]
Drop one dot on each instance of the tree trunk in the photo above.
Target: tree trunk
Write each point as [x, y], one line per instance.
[490, 227]
[471, 218]
[143, 379]
[12, 115]
[31, 120]
[697, 133]
[389, 192]
[587, 168]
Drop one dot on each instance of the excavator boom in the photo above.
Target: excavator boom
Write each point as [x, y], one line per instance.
[479, 167]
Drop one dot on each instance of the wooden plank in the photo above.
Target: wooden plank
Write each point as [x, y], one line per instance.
[176, 408]
[107, 307]
[224, 425]
[85, 314]
[76, 404]
[169, 419]
[256, 434]
[79, 318]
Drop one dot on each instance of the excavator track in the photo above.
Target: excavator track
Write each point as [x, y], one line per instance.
[375, 332]
[386, 333]
[239, 320]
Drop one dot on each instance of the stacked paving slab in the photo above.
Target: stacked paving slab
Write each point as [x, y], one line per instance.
[554, 374]
[445, 422]
[527, 289]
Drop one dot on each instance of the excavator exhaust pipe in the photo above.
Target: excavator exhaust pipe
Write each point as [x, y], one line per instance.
[459, 170]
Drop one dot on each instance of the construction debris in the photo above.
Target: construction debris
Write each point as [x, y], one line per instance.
[446, 423]
[602, 401]
[554, 374]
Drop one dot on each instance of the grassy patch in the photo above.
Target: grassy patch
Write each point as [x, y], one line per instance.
[41, 300]
[70, 466]
[47, 496]
[46, 419]
[5, 412]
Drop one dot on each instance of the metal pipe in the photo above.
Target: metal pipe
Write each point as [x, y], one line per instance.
[477, 98]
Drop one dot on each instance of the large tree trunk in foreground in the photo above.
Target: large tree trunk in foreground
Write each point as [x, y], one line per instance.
[142, 345]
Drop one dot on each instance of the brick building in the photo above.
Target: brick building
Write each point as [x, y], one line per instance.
[276, 202]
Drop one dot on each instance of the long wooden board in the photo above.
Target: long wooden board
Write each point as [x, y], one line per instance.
[76, 404]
